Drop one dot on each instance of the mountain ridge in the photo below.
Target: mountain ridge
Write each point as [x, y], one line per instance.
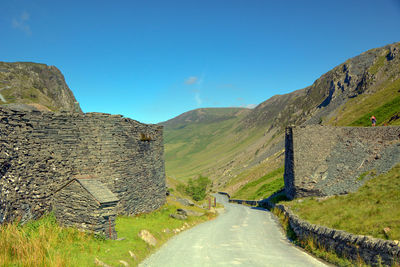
[371, 77]
[35, 86]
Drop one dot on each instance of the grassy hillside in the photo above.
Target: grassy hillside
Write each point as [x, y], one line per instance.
[235, 149]
[196, 145]
[374, 207]
[262, 187]
[382, 98]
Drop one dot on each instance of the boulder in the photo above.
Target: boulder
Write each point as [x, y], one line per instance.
[185, 201]
[178, 216]
[147, 237]
[193, 213]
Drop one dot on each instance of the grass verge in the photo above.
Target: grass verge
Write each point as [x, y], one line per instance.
[44, 243]
[313, 246]
[368, 211]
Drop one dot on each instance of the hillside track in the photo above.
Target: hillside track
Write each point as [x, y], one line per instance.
[239, 236]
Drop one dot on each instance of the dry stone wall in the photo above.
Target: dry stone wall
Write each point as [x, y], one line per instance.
[323, 161]
[39, 152]
[373, 251]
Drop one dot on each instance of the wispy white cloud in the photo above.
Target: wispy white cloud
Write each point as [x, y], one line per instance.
[251, 106]
[21, 23]
[191, 80]
[243, 104]
[198, 98]
[198, 82]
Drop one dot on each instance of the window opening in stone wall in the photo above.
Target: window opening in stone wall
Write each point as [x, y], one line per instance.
[145, 138]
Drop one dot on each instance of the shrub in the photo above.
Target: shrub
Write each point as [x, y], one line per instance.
[197, 188]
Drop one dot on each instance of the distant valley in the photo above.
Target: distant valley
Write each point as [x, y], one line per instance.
[237, 146]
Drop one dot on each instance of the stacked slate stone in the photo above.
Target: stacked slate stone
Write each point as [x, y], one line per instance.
[372, 251]
[86, 203]
[40, 152]
[324, 161]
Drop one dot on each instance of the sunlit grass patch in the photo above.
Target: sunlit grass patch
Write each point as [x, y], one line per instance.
[263, 186]
[383, 112]
[382, 104]
[45, 243]
[368, 211]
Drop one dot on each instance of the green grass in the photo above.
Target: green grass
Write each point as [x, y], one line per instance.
[192, 149]
[44, 243]
[383, 113]
[371, 173]
[382, 104]
[378, 64]
[368, 211]
[263, 186]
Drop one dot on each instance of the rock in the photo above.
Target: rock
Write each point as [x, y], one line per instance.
[166, 230]
[212, 210]
[386, 230]
[178, 216]
[189, 212]
[194, 213]
[147, 237]
[124, 263]
[181, 212]
[185, 201]
[320, 199]
[132, 255]
[100, 263]
[121, 238]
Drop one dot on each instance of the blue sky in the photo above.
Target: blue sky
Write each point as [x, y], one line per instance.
[152, 60]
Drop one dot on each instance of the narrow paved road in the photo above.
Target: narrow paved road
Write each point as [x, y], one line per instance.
[240, 236]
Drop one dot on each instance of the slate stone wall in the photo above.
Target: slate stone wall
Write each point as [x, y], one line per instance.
[74, 206]
[39, 152]
[323, 161]
[373, 251]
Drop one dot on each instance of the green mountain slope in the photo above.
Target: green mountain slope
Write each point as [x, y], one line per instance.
[27, 85]
[205, 138]
[234, 150]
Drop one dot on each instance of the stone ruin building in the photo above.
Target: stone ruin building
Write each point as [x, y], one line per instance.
[86, 203]
[42, 156]
[324, 161]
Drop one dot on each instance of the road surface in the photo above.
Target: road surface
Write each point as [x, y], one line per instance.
[240, 236]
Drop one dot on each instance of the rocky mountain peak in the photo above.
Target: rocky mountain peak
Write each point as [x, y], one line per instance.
[34, 86]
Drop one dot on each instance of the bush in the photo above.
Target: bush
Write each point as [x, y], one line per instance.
[197, 188]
